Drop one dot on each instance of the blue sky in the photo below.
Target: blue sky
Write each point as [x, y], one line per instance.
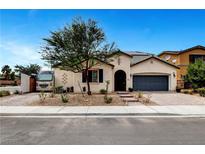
[21, 31]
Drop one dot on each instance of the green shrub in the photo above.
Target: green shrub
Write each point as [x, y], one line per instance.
[139, 95]
[201, 91]
[187, 91]
[4, 93]
[52, 94]
[42, 96]
[16, 92]
[64, 98]
[147, 100]
[103, 91]
[107, 99]
[59, 89]
[196, 74]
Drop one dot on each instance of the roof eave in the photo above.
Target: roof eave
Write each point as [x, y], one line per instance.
[157, 59]
[55, 66]
[182, 51]
[120, 52]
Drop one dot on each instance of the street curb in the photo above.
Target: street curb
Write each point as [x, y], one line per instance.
[100, 114]
[80, 114]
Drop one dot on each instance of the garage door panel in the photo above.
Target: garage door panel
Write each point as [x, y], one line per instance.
[150, 83]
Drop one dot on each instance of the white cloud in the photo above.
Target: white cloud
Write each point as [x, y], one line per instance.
[21, 54]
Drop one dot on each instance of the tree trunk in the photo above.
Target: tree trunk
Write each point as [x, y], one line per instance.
[87, 79]
[88, 86]
[7, 76]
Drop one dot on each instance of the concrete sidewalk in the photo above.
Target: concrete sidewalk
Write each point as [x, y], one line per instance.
[103, 110]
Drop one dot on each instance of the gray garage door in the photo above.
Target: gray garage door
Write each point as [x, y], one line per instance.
[150, 83]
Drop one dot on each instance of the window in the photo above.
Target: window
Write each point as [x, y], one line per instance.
[194, 58]
[93, 76]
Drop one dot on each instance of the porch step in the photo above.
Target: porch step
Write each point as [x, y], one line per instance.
[129, 100]
[126, 96]
[122, 92]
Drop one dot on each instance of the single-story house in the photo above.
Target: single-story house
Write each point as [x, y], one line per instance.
[137, 70]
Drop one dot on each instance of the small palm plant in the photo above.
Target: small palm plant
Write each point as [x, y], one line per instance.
[107, 99]
[42, 96]
[64, 98]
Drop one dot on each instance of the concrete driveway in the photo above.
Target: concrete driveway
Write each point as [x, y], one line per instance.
[172, 98]
[18, 100]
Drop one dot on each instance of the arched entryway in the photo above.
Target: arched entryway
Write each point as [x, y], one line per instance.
[120, 80]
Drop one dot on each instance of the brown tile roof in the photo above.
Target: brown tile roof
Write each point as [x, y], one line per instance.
[182, 51]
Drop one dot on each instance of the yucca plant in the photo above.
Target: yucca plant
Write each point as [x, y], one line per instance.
[64, 98]
[42, 96]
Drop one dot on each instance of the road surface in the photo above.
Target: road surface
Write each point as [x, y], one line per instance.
[132, 130]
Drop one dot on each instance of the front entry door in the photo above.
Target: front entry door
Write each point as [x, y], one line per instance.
[120, 81]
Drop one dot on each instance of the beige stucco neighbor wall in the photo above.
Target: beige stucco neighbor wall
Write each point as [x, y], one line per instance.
[122, 62]
[156, 67]
[74, 78]
[25, 83]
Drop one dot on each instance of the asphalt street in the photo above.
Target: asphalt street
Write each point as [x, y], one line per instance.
[117, 130]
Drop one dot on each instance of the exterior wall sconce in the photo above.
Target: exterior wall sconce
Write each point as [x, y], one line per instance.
[174, 75]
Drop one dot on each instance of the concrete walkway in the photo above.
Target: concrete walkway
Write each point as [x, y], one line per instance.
[103, 110]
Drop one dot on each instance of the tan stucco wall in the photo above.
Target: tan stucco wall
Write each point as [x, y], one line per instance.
[156, 67]
[183, 60]
[123, 65]
[172, 57]
[184, 57]
[74, 78]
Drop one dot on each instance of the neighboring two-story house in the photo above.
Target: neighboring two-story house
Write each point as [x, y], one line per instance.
[182, 59]
[137, 70]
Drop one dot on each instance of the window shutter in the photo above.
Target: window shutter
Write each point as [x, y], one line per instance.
[101, 75]
[83, 76]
